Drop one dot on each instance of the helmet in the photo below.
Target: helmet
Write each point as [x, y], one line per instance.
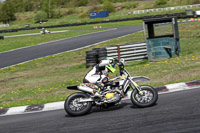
[111, 66]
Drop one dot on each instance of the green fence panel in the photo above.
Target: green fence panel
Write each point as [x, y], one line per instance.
[160, 48]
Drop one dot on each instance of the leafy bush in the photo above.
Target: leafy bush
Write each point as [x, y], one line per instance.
[130, 5]
[76, 3]
[56, 14]
[161, 2]
[194, 1]
[81, 3]
[40, 16]
[95, 8]
[108, 6]
[85, 15]
[69, 11]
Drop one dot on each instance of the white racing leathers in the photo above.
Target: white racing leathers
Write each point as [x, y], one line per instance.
[97, 73]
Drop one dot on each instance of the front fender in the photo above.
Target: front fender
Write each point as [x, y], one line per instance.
[140, 78]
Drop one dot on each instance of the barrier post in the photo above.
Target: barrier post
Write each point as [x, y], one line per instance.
[118, 51]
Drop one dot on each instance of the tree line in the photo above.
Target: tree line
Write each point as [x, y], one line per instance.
[45, 9]
[8, 8]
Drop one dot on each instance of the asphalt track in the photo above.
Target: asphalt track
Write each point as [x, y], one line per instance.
[177, 112]
[29, 53]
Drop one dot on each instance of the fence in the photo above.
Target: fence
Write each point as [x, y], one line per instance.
[130, 51]
[134, 51]
[4, 25]
[166, 9]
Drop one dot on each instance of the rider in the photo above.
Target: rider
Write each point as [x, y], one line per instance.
[98, 75]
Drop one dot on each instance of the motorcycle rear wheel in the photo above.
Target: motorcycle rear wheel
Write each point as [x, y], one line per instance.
[149, 98]
[75, 108]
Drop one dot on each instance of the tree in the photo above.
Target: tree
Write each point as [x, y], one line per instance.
[40, 16]
[48, 7]
[27, 5]
[7, 12]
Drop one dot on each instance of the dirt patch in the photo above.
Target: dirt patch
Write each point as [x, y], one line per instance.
[6, 80]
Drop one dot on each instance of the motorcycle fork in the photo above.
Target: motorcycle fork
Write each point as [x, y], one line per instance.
[135, 85]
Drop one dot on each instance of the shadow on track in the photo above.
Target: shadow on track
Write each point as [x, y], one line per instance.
[111, 108]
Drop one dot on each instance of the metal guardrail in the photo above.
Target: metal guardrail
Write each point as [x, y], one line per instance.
[136, 51]
[166, 9]
[4, 25]
[133, 51]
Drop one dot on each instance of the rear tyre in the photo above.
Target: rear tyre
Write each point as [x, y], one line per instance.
[149, 98]
[75, 108]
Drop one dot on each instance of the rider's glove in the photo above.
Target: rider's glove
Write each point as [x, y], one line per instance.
[116, 60]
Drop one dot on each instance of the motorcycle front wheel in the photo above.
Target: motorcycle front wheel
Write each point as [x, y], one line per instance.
[147, 99]
[74, 108]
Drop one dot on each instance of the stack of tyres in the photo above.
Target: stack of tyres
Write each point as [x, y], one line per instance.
[94, 56]
[91, 58]
[1, 37]
[102, 54]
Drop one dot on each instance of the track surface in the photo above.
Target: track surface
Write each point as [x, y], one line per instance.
[29, 53]
[175, 112]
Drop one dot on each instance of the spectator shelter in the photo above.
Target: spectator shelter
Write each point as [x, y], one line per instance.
[162, 38]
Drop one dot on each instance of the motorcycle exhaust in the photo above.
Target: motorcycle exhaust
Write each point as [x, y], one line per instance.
[83, 100]
[85, 88]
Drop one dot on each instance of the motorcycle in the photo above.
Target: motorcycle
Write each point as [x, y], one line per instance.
[80, 103]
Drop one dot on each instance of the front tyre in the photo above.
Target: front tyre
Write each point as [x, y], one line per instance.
[74, 108]
[149, 97]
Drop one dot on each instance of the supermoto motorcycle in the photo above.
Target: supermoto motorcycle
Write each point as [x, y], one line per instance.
[80, 103]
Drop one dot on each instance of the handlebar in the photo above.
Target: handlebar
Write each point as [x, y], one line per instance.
[120, 63]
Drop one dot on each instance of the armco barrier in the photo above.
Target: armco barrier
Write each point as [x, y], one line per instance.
[94, 56]
[134, 51]
[166, 9]
[130, 51]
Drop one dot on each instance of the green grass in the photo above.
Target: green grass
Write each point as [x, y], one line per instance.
[44, 80]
